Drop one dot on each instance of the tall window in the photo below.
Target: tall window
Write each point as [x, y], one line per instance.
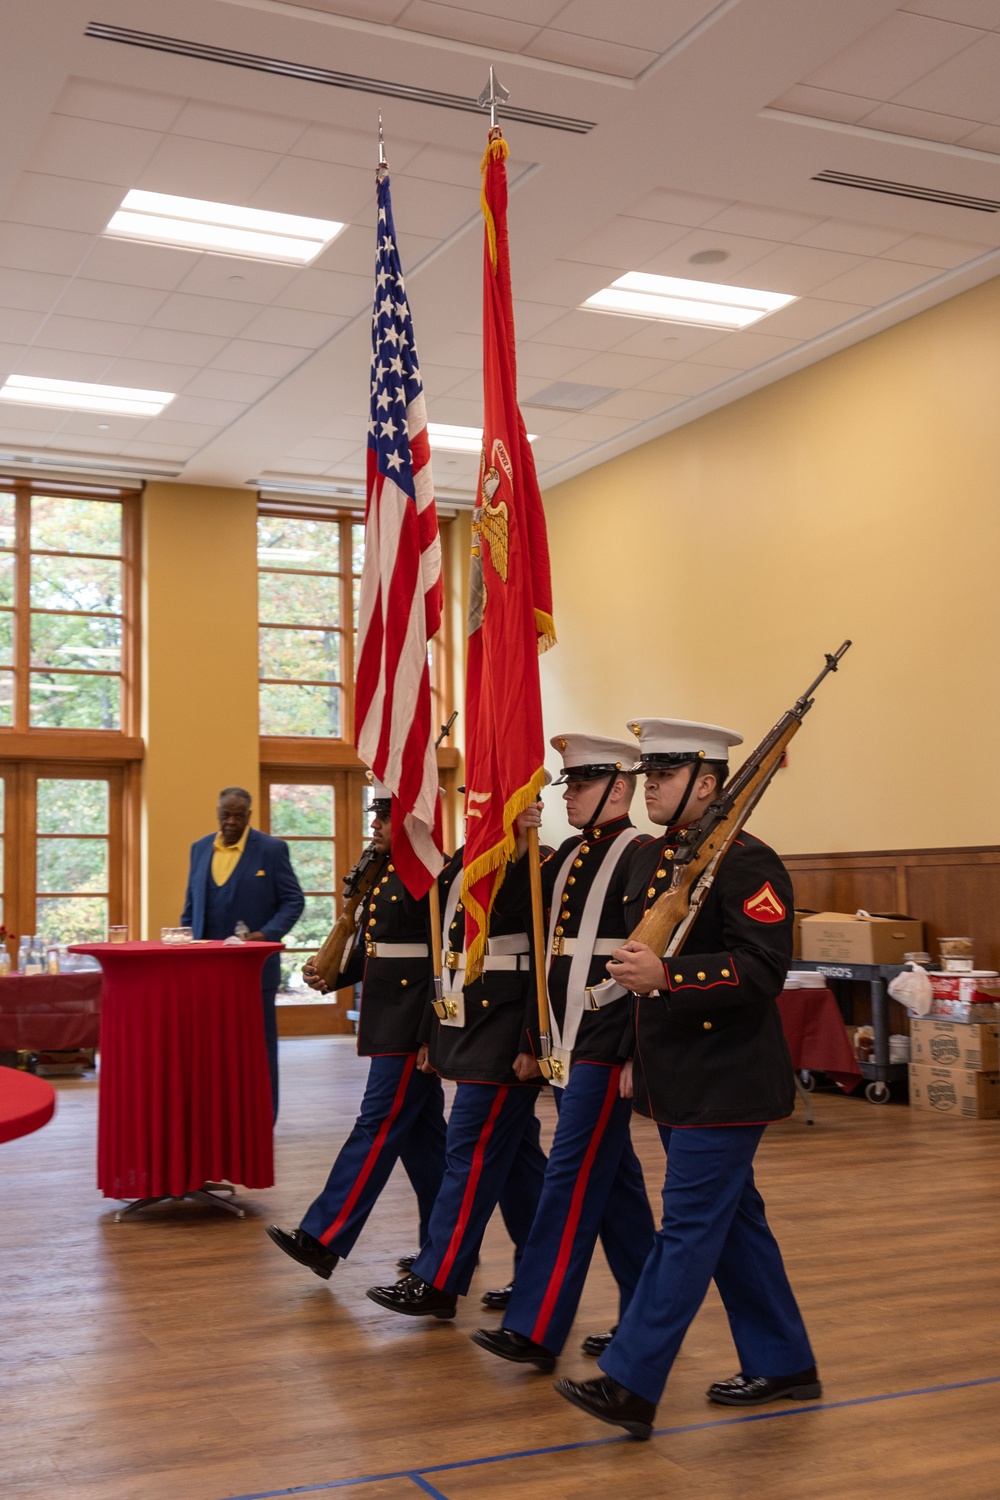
[305, 815]
[66, 598]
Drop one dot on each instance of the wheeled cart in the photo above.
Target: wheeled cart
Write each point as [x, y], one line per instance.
[880, 1071]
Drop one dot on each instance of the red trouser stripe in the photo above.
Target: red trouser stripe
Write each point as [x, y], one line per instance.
[373, 1155]
[469, 1196]
[575, 1209]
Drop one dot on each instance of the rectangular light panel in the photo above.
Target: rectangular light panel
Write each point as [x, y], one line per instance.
[223, 228]
[76, 395]
[451, 439]
[673, 299]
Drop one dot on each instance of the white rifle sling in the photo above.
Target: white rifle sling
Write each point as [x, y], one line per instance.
[578, 997]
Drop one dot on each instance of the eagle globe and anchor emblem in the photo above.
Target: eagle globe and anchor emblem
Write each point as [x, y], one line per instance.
[490, 524]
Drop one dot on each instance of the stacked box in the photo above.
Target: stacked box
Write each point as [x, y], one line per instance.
[955, 1067]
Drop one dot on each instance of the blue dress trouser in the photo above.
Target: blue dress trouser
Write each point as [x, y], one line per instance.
[401, 1119]
[593, 1185]
[714, 1226]
[491, 1136]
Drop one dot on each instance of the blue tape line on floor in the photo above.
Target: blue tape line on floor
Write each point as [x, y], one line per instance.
[427, 1487]
[418, 1475]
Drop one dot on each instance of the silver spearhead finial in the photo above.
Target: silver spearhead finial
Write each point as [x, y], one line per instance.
[383, 165]
[493, 95]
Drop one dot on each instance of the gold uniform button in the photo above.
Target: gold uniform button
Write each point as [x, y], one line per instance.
[596, 833]
[678, 979]
[577, 863]
[571, 880]
[485, 1003]
[660, 874]
[454, 924]
[707, 1025]
[700, 974]
[725, 973]
[584, 848]
[393, 898]
[404, 982]
[651, 893]
[392, 869]
[371, 921]
[668, 854]
[459, 906]
[564, 916]
[559, 932]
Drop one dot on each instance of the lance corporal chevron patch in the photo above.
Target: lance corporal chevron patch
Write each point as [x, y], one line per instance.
[766, 906]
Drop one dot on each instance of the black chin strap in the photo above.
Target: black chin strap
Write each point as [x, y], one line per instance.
[695, 773]
[607, 793]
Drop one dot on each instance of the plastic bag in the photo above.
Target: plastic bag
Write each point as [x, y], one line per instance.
[913, 989]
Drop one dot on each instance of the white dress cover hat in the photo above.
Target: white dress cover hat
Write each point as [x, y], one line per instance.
[586, 757]
[674, 742]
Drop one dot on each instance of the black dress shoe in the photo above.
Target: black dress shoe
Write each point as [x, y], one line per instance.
[610, 1402]
[405, 1262]
[754, 1390]
[497, 1297]
[303, 1248]
[596, 1343]
[515, 1347]
[415, 1298]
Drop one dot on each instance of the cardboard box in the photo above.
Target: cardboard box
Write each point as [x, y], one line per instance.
[847, 938]
[942, 1043]
[955, 1091]
[800, 912]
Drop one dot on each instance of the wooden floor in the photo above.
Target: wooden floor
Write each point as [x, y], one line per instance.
[179, 1356]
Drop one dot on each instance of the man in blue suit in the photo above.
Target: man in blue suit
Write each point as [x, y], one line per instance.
[242, 875]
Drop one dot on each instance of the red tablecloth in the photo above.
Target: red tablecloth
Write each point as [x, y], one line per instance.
[817, 1040]
[49, 1012]
[26, 1103]
[185, 1094]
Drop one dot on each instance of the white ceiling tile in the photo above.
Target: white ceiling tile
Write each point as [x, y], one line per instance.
[923, 124]
[203, 314]
[324, 450]
[238, 127]
[637, 406]
[538, 12]
[9, 356]
[796, 269]
[809, 317]
[317, 189]
[89, 424]
[550, 451]
[93, 150]
[353, 251]
[925, 250]
[658, 26]
[143, 449]
[538, 418]
[29, 418]
[413, 248]
[466, 26]
[328, 292]
[984, 13]
[565, 283]
[19, 326]
[238, 280]
[34, 291]
[877, 281]
[87, 335]
[437, 378]
[761, 222]
[433, 209]
[469, 387]
[985, 138]
[896, 52]
[139, 265]
[258, 359]
[673, 341]
[385, 11]
[102, 299]
[530, 318]
[28, 248]
[62, 203]
[287, 325]
[310, 468]
[356, 148]
[228, 385]
[588, 330]
[201, 409]
[548, 361]
[589, 427]
[742, 251]
[688, 379]
[852, 239]
[64, 364]
[586, 52]
[455, 349]
[447, 164]
[206, 169]
[90, 100]
[164, 430]
[616, 369]
[148, 374]
[455, 410]
[175, 348]
[742, 351]
[677, 208]
[625, 243]
[346, 429]
[966, 85]
[68, 442]
[823, 104]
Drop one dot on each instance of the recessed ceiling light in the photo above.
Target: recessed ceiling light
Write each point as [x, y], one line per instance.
[451, 439]
[76, 395]
[675, 300]
[707, 257]
[225, 228]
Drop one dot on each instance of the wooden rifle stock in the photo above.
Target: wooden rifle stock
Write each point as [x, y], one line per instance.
[331, 960]
[666, 924]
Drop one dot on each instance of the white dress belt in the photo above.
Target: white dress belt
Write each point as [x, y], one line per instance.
[396, 950]
[566, 947]
[511, 962]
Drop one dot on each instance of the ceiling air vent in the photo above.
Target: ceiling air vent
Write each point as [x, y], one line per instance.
[909, 190]
[566, 395]
[306, 73]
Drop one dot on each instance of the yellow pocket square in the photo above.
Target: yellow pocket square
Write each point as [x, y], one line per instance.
[261, 872]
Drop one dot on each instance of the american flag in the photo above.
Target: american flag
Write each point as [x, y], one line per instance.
[401, 590]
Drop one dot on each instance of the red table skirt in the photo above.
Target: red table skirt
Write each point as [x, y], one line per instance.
[185, 1094]
[26, 1103]
[817, 1040]
[49, 1012]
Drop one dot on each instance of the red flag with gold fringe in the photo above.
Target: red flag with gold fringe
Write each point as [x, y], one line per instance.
[510, 595]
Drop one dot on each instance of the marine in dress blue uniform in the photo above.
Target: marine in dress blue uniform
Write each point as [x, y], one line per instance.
[260, 890]
[593, 1182]
[712, 1069]
[402, 1112]
[493, 1154]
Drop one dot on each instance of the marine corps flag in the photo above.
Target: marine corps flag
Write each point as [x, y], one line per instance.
[510, 595]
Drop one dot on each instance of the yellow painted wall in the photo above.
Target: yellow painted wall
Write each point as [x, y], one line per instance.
[703, 576]
[200, 675]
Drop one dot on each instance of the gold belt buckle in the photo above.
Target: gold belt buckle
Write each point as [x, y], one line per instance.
[451, 959]
[370, 949]
[558, 947]
[591, 1002]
